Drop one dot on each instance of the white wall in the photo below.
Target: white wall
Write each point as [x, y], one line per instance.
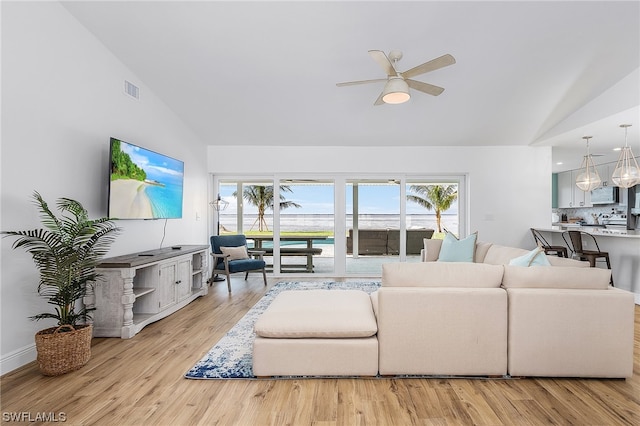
[509, 187]
[62, 98]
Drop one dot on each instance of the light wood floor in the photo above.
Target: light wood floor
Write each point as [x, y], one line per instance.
[140, 382]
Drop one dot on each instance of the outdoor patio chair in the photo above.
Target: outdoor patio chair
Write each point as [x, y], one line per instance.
[230, 255]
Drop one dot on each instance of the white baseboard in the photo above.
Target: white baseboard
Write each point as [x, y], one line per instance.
[17, 358]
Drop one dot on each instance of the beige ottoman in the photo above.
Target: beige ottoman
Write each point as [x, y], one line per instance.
[317, 333]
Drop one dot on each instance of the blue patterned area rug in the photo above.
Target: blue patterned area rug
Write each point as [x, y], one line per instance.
[231, 357]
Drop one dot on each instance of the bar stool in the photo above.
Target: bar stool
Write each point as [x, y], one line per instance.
[559, 251]
[575, 243]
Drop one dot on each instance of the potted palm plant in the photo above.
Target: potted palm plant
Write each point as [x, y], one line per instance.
[66, 252]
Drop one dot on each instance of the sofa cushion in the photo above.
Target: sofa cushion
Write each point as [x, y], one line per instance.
[431, 249]
[501, 255]
[319, 314]
[455, 250]
[567, 278]
[481, 251]
[535, 257]
[442, 274]
[563, 261]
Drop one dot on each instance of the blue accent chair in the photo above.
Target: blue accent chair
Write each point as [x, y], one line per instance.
[222, 264]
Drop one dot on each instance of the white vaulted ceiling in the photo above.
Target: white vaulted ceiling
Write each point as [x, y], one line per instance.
[265, 73]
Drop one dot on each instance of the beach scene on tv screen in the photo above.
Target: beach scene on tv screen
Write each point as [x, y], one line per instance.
[144, 184]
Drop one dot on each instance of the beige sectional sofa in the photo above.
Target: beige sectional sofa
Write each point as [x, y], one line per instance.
[482, 318]
[563, 320]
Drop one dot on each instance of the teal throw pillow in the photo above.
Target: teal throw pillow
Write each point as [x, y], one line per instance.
[535, 257]
[454, 250]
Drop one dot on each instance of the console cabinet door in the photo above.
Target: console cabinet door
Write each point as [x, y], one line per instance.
[167, 285]
[183, 282]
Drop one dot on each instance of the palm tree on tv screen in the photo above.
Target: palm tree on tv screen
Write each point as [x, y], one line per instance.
[261, 196]
[434, 197]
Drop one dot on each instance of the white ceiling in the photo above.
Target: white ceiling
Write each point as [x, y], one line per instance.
[253, 73]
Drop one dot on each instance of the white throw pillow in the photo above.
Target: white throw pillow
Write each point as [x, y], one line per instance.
[235, 253]
[535, 257]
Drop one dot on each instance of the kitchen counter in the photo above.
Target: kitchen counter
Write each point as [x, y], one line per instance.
[594, 230]
[622, 245]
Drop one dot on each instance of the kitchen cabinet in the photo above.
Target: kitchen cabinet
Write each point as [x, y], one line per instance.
[140, 288]
[569, 195]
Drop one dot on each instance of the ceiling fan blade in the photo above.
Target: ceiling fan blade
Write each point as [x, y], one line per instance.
[353, 83]
[379, 101]
[382, 60]
[427, 88]
[434, 64]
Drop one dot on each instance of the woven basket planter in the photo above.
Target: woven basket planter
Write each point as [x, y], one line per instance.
[60, 352]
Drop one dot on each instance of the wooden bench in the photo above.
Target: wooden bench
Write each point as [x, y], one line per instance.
[295, 251]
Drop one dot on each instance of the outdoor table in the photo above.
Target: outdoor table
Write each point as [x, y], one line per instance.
[309, 251]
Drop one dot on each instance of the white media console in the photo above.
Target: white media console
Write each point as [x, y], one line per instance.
[140, 288]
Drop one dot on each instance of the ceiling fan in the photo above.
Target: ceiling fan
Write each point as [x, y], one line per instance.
[396, 89]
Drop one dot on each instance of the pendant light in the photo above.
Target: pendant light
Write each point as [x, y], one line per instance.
[626, 173]
[588, 178]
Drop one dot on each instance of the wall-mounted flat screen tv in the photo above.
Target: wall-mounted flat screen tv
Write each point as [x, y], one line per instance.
[144, 184]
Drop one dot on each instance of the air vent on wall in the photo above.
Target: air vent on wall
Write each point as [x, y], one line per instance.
[131, 89]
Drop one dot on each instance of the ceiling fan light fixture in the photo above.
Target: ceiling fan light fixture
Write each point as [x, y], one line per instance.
[396, 91]
[626, 174]
[588, 179]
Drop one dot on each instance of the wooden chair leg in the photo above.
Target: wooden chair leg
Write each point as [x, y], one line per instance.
[227, 273]
[264, 276]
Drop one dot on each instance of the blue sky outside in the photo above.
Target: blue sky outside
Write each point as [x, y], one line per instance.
[319, 199]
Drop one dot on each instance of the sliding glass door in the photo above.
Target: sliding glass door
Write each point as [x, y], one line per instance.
[307, 225]
[384, 219]
[292, 222]
[373, 224]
